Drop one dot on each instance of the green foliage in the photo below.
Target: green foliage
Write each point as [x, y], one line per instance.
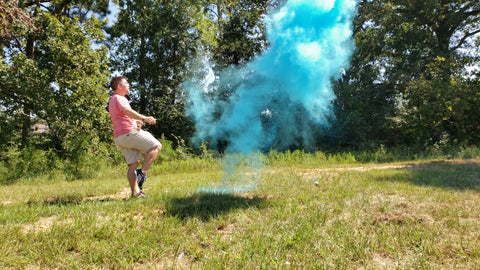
[73, 104]
[182, 158]
[407, 82]
[31, 163]
[15, 163]
[151, 44]
[443, 149]
[468, 153]
[289, 158]
[241, 32]
[439, 109]
[167, 153]
[407, 94]
[55, 78]
[13, 19]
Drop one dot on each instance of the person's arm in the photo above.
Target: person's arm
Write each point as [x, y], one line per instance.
[137, 116]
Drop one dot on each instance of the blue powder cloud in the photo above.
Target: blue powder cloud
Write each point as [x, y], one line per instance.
[273, 100]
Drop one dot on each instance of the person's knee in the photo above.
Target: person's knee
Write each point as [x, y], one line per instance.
[133, 165]
[155, 150]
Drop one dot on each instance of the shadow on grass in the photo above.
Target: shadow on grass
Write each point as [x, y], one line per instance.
[210, 205]
[443, 174]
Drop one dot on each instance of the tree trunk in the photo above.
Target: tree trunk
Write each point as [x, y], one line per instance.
[26, 120]
[141, 77]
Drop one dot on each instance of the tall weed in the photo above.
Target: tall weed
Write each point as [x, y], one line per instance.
[103, 159]
[34, 164]
[25, 163]
[468, 153]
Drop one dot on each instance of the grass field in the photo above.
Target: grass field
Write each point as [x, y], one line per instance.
[419, 215]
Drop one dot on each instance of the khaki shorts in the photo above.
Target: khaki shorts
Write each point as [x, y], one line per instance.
[134, 143]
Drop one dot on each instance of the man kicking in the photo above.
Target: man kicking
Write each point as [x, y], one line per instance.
[130, 139]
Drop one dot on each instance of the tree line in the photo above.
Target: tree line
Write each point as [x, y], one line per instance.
[413, 79]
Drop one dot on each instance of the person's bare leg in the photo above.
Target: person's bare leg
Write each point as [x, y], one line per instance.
[150, 157]
[132, 178]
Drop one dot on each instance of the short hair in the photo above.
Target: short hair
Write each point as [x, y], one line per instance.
[116, 81]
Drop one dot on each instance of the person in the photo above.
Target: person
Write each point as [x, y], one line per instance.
[129, 138]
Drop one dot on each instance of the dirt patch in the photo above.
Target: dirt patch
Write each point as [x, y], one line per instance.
[393, 199]
[360, 168]
[403, 210]
[397, 166]
[259, 197]
[401, 217]
[178, 261]
[124, 193]
[335, 172]
[7, 202]
[225, 231]
[382, 261]
[44, 224]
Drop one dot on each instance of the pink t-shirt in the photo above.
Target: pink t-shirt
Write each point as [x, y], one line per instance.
[122, 124]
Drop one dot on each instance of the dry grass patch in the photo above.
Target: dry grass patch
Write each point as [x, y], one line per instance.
[44, 224]
[387, 216]
[124, 193]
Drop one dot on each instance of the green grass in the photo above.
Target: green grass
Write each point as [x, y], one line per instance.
[305, 213]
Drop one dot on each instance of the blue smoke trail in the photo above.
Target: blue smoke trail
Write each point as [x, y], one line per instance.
[273, 100]
[241, 174]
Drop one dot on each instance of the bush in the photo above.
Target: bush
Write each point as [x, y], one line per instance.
[31, 163]
[16, 163]
[472, 152]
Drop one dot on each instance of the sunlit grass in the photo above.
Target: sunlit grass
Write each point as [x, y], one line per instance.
[307, 215]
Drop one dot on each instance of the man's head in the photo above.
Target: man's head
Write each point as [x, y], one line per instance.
[120, 84]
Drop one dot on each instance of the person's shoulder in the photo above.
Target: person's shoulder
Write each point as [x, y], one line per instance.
[117, 97]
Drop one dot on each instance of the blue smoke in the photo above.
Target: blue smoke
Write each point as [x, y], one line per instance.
[279, 97]
[241, 174]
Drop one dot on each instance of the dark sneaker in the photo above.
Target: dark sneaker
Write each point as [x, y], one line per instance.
[140, 178]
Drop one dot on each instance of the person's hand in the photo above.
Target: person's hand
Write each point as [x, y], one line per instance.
[150, 120]
[139, 124]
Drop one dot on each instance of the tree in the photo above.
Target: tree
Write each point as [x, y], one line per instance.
[240, 35]
[241, 30]
[51, 74]
[408, 70]
[12, 17]
[152, 44]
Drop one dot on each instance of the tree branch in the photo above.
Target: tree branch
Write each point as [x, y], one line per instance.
[35, 2]
[473, 13]
[460, 43]
[58, 9]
